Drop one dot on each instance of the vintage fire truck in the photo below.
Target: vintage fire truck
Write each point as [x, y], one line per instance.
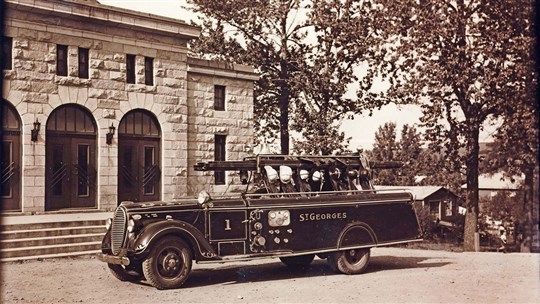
[293, 208]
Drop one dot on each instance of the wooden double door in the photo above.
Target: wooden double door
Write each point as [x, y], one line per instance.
[10, 158]
[70, 172]
[138, 169]
[139, 154]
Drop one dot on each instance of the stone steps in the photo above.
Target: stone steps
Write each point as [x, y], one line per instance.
[50, 239]
[47, 232]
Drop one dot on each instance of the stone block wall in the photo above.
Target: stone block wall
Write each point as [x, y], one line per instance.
[235, 122]
[180, 99]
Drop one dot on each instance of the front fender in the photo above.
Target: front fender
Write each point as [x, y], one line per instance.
[200, 247]
[106, 242]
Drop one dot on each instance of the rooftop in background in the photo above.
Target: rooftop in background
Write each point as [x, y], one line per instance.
[498, 181]
[419, 192]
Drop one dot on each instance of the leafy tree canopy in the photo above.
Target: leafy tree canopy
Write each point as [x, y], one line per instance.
[421, 164]
[464, 62]
[306, 53]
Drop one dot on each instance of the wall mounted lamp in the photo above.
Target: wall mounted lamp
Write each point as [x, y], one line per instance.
[110, 134]
[35, 130]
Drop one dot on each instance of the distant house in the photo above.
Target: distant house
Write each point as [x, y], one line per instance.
[443, 203]
[491, 184]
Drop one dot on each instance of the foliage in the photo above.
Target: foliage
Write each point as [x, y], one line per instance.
[426, 220]
[306, 53]
[505, 206]
[411, 154]
[515, 152]
[385, 148]
[417, 161]
[464, 63]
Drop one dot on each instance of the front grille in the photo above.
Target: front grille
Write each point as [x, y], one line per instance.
[118, 230]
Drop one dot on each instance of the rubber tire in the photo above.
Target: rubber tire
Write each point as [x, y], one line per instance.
[352, 261]
[126, 275]
[168, 249]
[298, 261]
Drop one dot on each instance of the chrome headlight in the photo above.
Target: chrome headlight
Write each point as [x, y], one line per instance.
[131, 225]
[203, 197]
[134, 222]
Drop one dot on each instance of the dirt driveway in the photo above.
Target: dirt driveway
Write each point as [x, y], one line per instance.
[394, 275]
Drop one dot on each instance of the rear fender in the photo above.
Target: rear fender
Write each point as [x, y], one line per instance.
[358, 234]
[151, 233]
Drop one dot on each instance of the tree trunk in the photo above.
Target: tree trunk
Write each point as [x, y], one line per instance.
[284, 118]
[527, 228]
[471, 217]
[284, 88]
[535, 206]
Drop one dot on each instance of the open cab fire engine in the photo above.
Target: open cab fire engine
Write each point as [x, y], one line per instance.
[300, 207]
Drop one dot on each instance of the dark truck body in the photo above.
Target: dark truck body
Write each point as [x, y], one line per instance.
[338, 224]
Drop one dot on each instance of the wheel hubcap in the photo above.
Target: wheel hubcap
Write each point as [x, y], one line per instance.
[353, 256]
[170, 264]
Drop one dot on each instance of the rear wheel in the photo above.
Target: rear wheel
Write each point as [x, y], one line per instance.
[169, 263]
[298, 261]
[352, 261]
[129, 274]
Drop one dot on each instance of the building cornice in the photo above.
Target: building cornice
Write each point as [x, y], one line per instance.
[108, 14]
[222, 69]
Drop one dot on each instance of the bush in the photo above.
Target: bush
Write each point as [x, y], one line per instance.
[427, 221]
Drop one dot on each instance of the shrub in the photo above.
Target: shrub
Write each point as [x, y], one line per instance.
[427, 221]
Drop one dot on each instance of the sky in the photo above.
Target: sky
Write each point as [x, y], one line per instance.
[361, 129]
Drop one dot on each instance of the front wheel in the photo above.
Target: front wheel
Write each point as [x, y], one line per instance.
[298, 261]
[169, 263]
[352, 261]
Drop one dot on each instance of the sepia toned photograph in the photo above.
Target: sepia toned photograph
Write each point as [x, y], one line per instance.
[269, 151]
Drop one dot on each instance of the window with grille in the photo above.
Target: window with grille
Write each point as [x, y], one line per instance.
[7, 53]
[219, 98]
[83, 63]
[61, 60]
[219, 155]
[130, 68]
[148, 71]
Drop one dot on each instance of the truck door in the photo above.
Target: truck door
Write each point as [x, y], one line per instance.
[228, 227]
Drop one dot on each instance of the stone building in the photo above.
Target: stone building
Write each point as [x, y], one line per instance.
[102, 104]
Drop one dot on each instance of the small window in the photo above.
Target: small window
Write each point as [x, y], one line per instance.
[83, 63]
[7, 53]
[219, 98]
[148, 71]
[219, 155]
[448, 210]
[61, 60]
[130, 68]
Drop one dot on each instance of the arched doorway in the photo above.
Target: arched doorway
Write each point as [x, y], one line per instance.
[139, 154]
[70, 174]
[10, 162]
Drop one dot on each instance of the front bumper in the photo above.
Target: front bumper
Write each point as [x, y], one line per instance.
[113, 259]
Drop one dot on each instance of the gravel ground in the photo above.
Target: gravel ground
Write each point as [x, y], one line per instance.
[394, 275]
